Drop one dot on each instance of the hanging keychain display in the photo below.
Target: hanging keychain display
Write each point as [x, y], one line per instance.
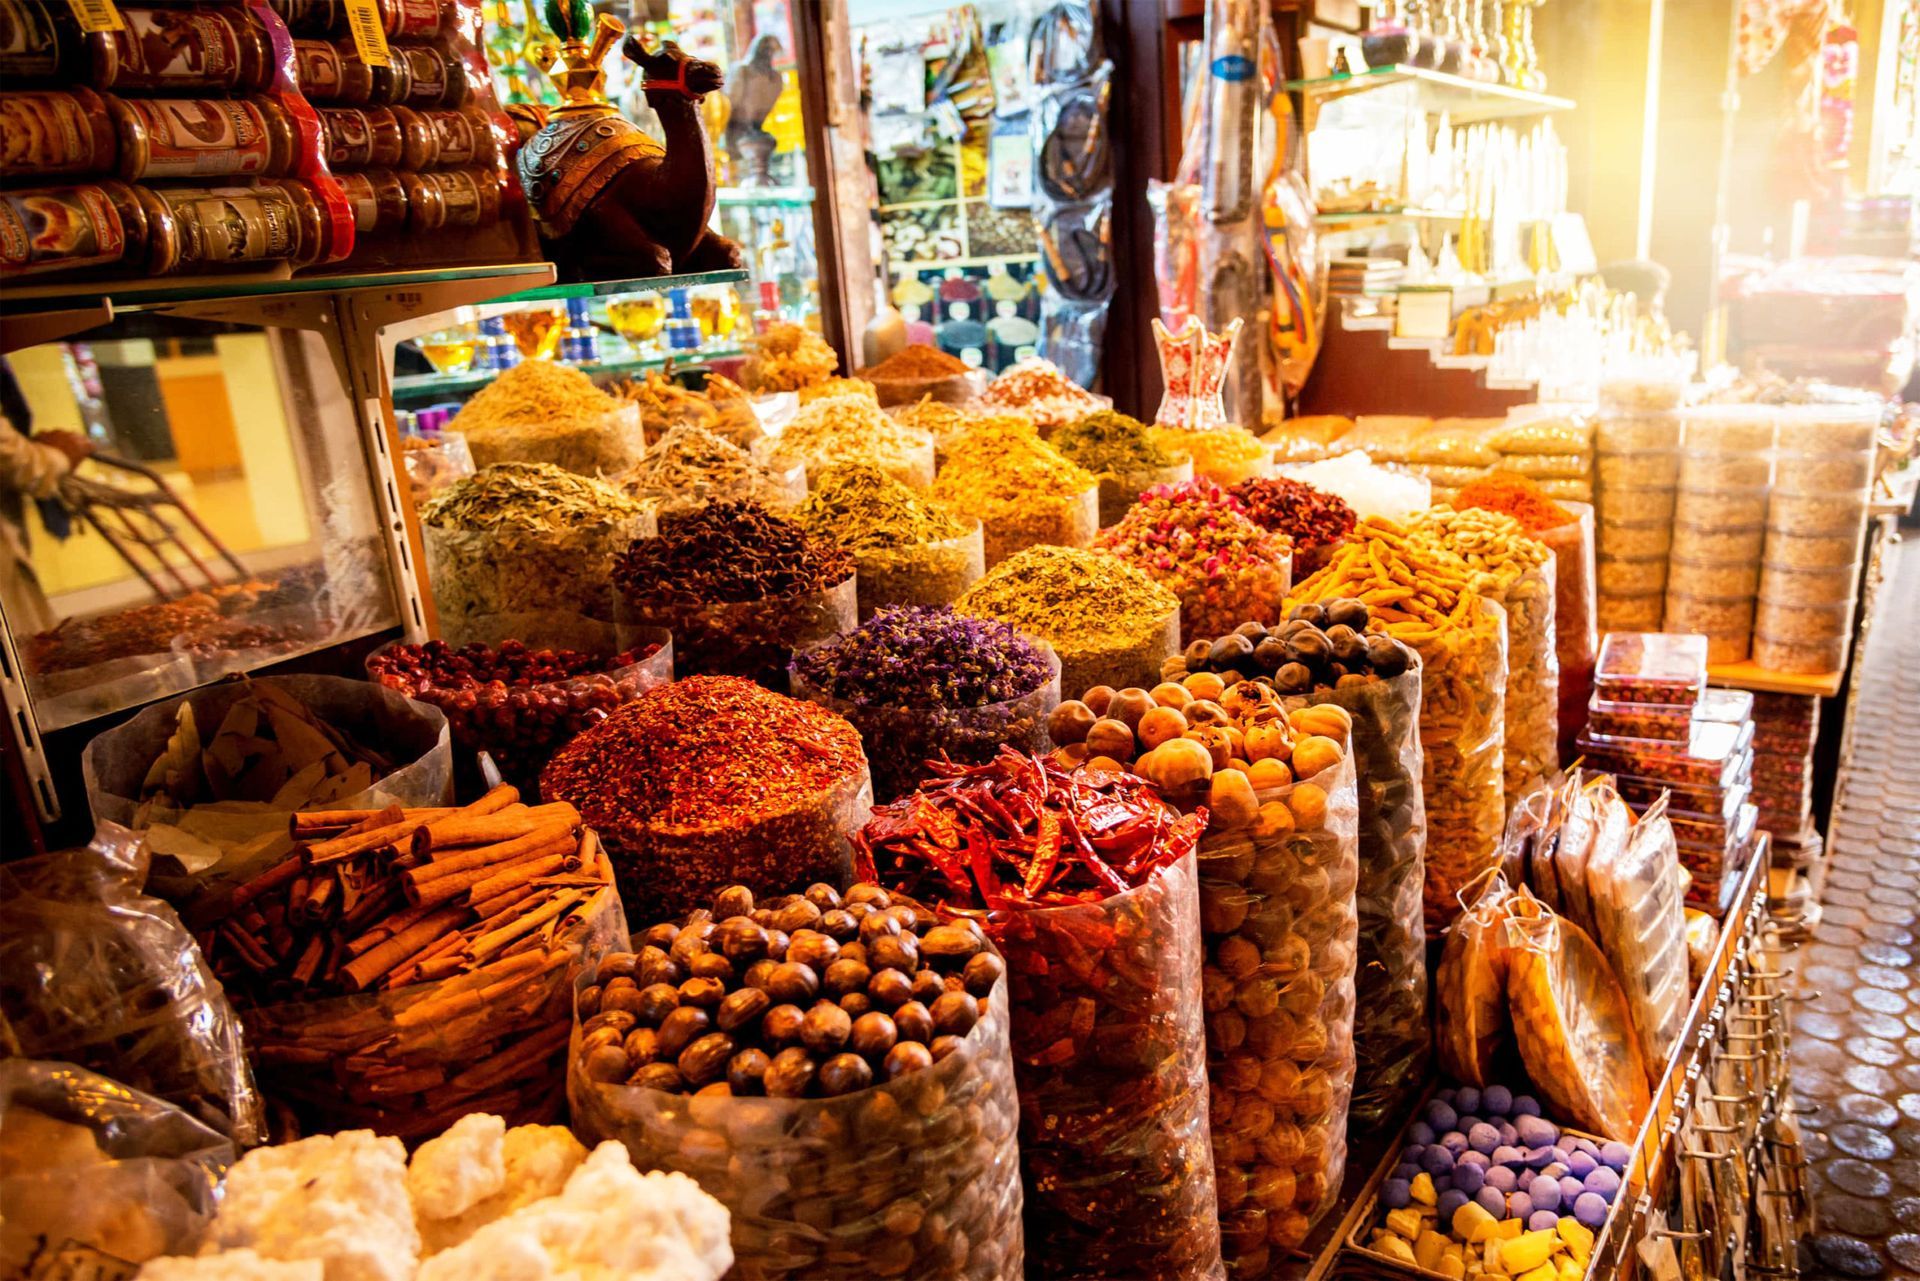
[1073, 185]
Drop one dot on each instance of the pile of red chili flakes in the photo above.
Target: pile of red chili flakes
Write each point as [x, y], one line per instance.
[1021, 831]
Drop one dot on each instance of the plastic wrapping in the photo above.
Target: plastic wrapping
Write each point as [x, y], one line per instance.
[1726, 622]
[603, 445]
[98, 1178]
[1042, 519]
[95, 973]
[914, 1177]
[410, 1061]
[434, 462]
[1391, 1032]
[1651, 668]
[1576, 638]
[492, 585]
[901, 739]
[1642, 927]
[248, 836]
[251, 641]
[1278, 922]
[1470, 985]
[1109, 1046]
[522, 726]
[1573, 1024]
[754, 638]
[1532, 707]
[1463, 740]
[934, 573]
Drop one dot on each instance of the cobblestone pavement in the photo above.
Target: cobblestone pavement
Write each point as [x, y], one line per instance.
[1856, 1048]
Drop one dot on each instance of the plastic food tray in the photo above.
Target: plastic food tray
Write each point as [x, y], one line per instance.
[1715, 755]
[1830, 514]
[1798, 655]
[1726, 706]
[1629, 432]
[1638, 469]
[1834, 428]
[1710, 469]
[1714, 579]
[1651, 667]
[1630, 576]
[1641, 792]
[1729, 428]
[1705, 830]
[1823, 473]
[1812, 551]
[1637, 503]
[1671, 722]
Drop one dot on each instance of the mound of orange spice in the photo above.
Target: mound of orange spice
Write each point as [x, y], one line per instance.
[1518, 497]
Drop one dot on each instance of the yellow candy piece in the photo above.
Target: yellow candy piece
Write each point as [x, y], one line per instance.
[1509, 1229]
[1395, 1248]
[1423, 1189]
[1528, 1251]
[1428, 1249]
[1452, 1265]
[1472, 1222]
[1569, 1270]
[1577, 1235]
[1404, 1222]
[1491, 1256]
[1545, 1272]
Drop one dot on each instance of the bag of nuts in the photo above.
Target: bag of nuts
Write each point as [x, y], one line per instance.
[835, 1070]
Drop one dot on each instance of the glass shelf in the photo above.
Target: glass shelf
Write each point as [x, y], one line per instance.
[1366, 217]
[763, 198]
[428, 389]
[641, 285]
[145, 295]
[1462, 99]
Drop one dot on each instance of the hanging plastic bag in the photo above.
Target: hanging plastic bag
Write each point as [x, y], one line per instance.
[1073, 185]
[1573, 1024]
[1637, 897]
[1471, 984]
[95, 973]
[97, 1178]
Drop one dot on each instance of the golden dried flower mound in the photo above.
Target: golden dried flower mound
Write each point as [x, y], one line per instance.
[787, 358]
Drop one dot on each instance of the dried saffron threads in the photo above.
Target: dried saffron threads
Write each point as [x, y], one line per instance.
[1086, 883]
[543, 412]
[916, 362]
[712, 781]
[924, 684]
[1195, 540]
[1316, 521]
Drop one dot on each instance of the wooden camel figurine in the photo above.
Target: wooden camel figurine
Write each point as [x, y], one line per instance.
[611, 202]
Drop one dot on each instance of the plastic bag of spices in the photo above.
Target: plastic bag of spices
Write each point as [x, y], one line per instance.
[910, 1170]
[1471, 984]
[95, 973]
[1391, 1033]
[1278, 924]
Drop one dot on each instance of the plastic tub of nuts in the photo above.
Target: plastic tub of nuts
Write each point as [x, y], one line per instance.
[1809, 473]
[1812, 551]
[1833, 514]
[1637, 504]
[1715, 755]
[1638, 469]
[1631, 576]
[1785, 585]
[1671, 723]
[837, 1073]
[1630, 612]
[1803, 657]
[1804, 622]
[1722, 507]
[1836, 428]
[1730, 430]
[1726, 579]
[1694, 541]
[1712, 470]
[1726, 622]
[1651, 668]
[1634, 539]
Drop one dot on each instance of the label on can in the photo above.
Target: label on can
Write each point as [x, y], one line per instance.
[319, 69]
[412, 17]
[196, 137]
[458, 137]
[29, 42]
[429, 67]
[59, 230]
[378, 201]
[466, 204]
[175, 48]
[47, 133]
[233, 224]
[352, 140]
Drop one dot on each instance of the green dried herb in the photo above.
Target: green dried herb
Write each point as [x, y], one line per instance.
[1112, 444]
[536, 497]
[1108, 621]
[863, 508]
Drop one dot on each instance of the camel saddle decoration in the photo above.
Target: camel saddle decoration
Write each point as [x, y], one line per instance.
[611, 202]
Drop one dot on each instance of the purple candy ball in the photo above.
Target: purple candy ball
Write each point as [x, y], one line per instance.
[1604, 1181]
[1450, 1200]
[1446, 1095]
[1437, 1160]
[1441, 1116]
[1591, 1210]
[1545, 1192]
[1405, 1170]
[1525, 1105]
[1581, 1164]
[1493, 1201]
[1480, 1159]
[1483, 1138]
[1421, 1133]
[1555, 1171]
[1396, 1194]
[1535, 1132]
[1469, 1178]
[1543, 1221]
[1509, 1135]
[1539, 1158]
[1505, 1155]
[1454, 1142]
[1467, 1099]
[1519, 1206]
[1496, 1100]
[1466, 1122]
[1588, 1146]
[1570, 1189]
[1501, 1179]
[1413, 1152]
[1615, 1155]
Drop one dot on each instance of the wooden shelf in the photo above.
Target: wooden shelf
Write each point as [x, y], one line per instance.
[1748, 674]
[1465, 101]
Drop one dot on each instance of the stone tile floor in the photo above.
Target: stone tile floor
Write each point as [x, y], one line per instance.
[1856, 1047]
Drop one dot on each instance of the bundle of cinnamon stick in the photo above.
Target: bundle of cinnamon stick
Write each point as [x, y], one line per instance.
[461, 925]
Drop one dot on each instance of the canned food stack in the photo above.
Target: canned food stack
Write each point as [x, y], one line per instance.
[1637, 464]
[1814, 521]
[1785, 727]
[1719, 524]
[1656, 726]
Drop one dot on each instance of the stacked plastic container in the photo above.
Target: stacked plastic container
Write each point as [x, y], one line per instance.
[1637, 465]
[1785, 727]
[1660, 731]
[1720, 513]
[1815, 520]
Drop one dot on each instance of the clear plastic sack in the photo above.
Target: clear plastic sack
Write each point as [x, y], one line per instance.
[1391, 1033]
[1573, 1025]
[492, 585]
[1576, 638]
[1278, 923]
[200, 853]
[98, 1178]
[95, 973]
[1532, 700]
[434, 462]
[1463, 741]
[1471, 985]
[1109, 1045]
[1456, 442]
[1637, 899]
[915, 1177]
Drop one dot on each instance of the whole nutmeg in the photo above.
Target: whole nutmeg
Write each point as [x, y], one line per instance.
[855, 1003]
[621, 994]
[655, 1002]
[870, 894]
[740, 940]
[742, 1008]
[661, 935]
[812, 948]
[875, 924]
[839, 924]
[711, 965]
[915, 1022]
[797, 914]
[705, 993]
[595, 1038]
[845, 975]
[894, 952]
[659, 1076]
[790, 1074]
[845, 1073]
[777, 944]
[1068, 723]
[621, 1021]
[873, 1034]
[944, 1045]
[793, 982]
[691, 941]
[982, 972]
[949, 942]
[616, 965]
[681, 1028]
[655, 966]
[642, 1046]
[735, 900]
[607, 1064]
[855, 950]
[781, 1026]
[826, 1028]
[823, 896]
[908, 1056]
[745, 1070]
[890, 988]
[927, 987]
[586, 1002]
[703, 1062]
[760, 972]
[954, 1014]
